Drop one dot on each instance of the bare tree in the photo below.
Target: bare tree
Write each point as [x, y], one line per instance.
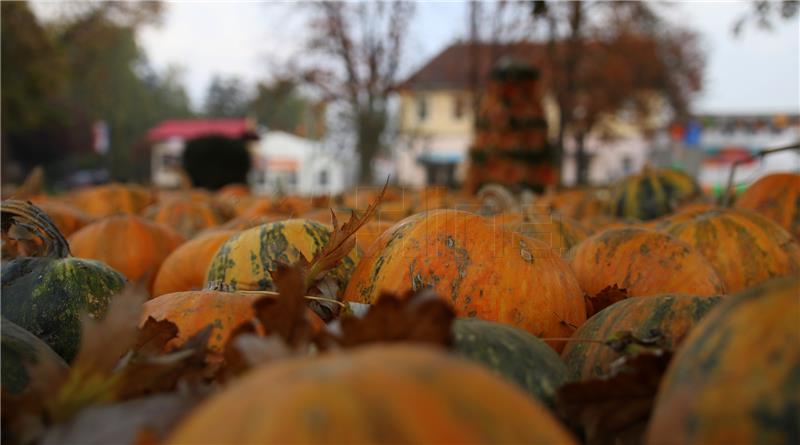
[359, 48]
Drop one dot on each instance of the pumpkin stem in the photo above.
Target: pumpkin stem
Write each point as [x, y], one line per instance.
[27, 215]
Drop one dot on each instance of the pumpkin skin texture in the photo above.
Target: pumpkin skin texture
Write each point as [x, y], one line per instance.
[47, 296]
[737, 377]
[193, 311]
[645, 262]
[673, 315]
[20, 347]
[743, 247]
[579, 204]
[776, 196]
[558, 232]
[512, 353]
[185, 268]
[244, 261]
[111, 199]
[383, 394]
[130, 244]
[186, 217]
[485, 272]
[370, 232]
[66, 218]
[653, 193]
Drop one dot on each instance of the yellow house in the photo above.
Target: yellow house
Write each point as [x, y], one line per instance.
[436, 120]
[437, 106]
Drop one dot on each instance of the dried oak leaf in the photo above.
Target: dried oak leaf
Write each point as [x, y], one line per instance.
[285, 315]
[340, 243]
[417, 317]
[615, 409]
[154, 336]
[603, 299]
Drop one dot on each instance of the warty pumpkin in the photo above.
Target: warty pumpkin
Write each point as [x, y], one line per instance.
[653, 193]
[378, 394]
[743, 247]
[185, 267]
[776, 196]
[243, 262]
[644, 262]
[48, 294]
[484, 271]
[671, 316]
[110, 199]
[736, 379]
[131, 244]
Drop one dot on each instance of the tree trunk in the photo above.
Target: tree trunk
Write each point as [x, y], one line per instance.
[371, 124]
[581, 160]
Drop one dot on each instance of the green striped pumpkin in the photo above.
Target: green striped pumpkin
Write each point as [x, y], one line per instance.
[673, 315]
[244, 261]
[47, 295]
[653, 193]
[736, 379]
[518, 356]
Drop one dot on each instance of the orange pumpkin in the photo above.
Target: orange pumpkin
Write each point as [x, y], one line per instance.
[111, 199]
[579, 204]
[187, 217]
[185, 268]
[194, 310]
[645, 262]
[324, 215]
[776, 196]
[486, 272]
[234, 191]
[743, 247]
[377, 394]
[67, 218]
[130, 244]
[370, 232]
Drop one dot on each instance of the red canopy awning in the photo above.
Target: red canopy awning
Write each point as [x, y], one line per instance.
[194, 128]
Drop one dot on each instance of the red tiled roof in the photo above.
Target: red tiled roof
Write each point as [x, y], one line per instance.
[460, 64]
[193, 128]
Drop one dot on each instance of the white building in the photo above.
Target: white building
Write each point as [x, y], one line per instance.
[285, 163]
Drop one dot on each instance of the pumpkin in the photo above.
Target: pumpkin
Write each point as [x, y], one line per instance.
[186, 217]
[736, 379]
[682, 213]
[558, 232]
[578, 204]
[185, 268]
[484, 271]
[244, 261]
[743, 247]
[105, 200]
[21, 348]
[47, 295]
[236, 190]
[324, 215]
[672, 316]
[66, 218]
[512, 353]
[131, 244]
[194, 310]
[644, 262]
[653, 193]
[291, 206]
[243, 223]
[776, 196]
[377, 394]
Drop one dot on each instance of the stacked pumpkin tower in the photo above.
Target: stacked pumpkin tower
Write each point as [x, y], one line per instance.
[510, 145]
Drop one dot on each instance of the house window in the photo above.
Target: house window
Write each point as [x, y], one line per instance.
[458, 108]
[291, 178]
[422, 108]
[627, 165]
[323, 177]
[170, 160]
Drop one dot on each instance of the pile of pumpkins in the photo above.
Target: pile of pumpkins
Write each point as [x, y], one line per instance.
[721, 284]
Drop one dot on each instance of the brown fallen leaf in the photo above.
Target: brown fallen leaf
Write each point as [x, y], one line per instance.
[418, 317]
[154, 336]
[615, 409]
[603, 299]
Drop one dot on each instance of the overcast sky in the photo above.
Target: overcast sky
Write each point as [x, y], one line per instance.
[757, 72]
